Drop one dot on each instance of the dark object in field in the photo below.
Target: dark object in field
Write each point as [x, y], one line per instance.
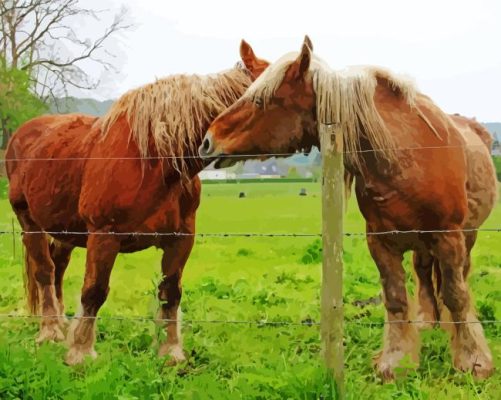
[241, 195]
[308, 321]
[302, 192]
[371, 300]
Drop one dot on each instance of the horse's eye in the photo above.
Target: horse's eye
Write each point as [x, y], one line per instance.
[258, 102]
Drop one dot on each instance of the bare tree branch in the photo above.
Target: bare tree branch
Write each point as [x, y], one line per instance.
[39, 36]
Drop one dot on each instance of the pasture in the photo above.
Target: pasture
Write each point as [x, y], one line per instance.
[239, 279]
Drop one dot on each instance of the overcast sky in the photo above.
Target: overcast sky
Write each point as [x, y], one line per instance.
[451, 48]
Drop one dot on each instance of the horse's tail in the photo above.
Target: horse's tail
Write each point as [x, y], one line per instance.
[348, 183]
[30, 284]
[437, 277]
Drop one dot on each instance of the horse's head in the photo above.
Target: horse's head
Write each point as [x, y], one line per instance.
[275, 115]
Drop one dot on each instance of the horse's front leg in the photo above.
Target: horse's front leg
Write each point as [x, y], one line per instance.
[176, 253]
[401, 337]
[101, 253]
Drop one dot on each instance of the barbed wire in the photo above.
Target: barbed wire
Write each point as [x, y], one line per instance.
[244, 234]
[289, 154]
[242, 322]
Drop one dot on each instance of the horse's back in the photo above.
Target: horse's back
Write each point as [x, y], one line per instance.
[48, 136]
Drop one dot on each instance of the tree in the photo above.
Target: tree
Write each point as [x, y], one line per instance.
[39, 37]
[17, 101]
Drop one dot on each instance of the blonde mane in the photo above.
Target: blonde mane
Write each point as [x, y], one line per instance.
[343, 97]
[172, 113]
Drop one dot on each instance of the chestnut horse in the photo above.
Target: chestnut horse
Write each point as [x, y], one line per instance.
[415, 169]
[133, 170]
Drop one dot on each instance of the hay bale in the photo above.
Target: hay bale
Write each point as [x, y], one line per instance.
[302, 192]
[241, 195]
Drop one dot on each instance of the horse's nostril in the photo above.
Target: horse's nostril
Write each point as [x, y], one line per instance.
[206, 148]
[206, 144]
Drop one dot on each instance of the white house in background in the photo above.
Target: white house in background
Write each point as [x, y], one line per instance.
[216, 174]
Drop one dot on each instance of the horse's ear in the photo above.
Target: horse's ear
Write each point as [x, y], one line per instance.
[254, 65]
[308, 42]
[246, 53]
[299, 67]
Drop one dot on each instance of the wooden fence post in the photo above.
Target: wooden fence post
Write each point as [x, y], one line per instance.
[331, 141]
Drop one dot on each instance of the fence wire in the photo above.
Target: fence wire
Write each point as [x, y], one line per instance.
[255, 155]
[244, 234]
[242, 322]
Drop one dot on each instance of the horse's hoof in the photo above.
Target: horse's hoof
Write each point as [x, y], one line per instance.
[479, 364]
[481, 372]
[50, 333]
[175, 353]
[384, 370]
[386, 374]
[389, 365]
[77, 356]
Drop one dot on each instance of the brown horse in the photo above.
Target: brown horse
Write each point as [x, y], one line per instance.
[415, 168]
[134, 170]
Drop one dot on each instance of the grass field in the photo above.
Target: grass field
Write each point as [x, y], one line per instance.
[257, 279]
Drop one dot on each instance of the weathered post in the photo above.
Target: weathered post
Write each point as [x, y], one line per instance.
[331, 141]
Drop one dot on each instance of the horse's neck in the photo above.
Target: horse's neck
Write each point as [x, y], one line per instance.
[190, 151]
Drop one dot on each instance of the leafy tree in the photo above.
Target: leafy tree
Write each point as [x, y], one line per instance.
[44, 52]
[17, 101]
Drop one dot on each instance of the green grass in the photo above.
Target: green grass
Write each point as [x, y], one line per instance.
[272, 279]
[497, 164]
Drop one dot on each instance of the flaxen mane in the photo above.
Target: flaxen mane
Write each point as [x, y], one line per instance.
[343, 97]
[173, 111]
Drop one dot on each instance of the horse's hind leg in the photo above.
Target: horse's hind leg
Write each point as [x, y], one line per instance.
[176, 253]
[102, 250]
[470, 239]
[41, 269]
[401, 337]
[427, 303]
[445, 315]
[469, 347]
[60, 253]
